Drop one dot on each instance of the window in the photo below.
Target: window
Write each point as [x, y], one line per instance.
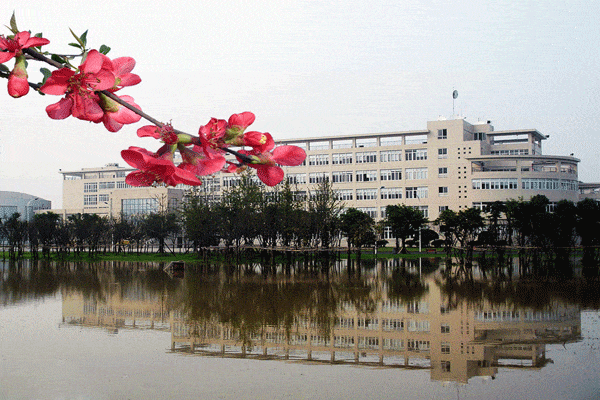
[341, 176]
[317, 177]
[392, 324]
[366, 194]
[231, 181]
[370, 211]
[424, 210]
[366, 142]
[495, 183]
[296, 179]
[445, 348]
[342, 144]
[391, 193]
[415, 173]
[368, 323]
[321, 145]
[443, 190]
[479, 135]
[344, 194]
[391, 141]
[391, 174]
[90, 200]
[123, 185]
[415, 154]
[366, 176]
[442, 172]
[139, 206]
[107, 185]
[445, 328]
[445, 366]
[366, 157]
[390, 156]
[341, 158]
[443, 208]
[103, 198]
[90, 187]
[318, 159]
[419, 192]
[442, 153]
[442, 133]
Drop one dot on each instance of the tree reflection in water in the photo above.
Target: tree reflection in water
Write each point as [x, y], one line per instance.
[397, 313]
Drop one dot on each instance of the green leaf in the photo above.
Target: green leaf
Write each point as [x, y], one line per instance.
[84, 38]
[78, 39]
[75, 45]
[57, 58]
[104, 49]
[13, 24]
[4, 68]
[46, 72]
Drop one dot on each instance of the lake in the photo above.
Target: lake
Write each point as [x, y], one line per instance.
[116, 330]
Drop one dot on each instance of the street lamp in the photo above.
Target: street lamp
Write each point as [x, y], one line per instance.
[28, 213]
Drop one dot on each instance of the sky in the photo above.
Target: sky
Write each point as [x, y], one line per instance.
[313, 68]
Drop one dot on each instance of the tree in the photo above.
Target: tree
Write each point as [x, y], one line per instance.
[358, 227]
[325, 209]
[160, 226]
[200, 221]
[46, 226]
[405, 222]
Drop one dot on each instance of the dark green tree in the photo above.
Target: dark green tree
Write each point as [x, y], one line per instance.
[404, 222]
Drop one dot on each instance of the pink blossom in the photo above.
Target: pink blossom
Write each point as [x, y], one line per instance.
[116, 115]
[156, 168]
[14, 46]
[80, 101]
[266, 166]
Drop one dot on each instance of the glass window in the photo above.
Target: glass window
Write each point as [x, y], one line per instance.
[90, 200]
[341, 158]
[139, 206]
[366, 142]
[391, 174]
[341, 176]
[296, 179]
[366, 157]
[415, 173]
[366, 194]
[90, 187]
[366, 176]
[443, 190]
[321, 145]
[391, 193]
[443, 172]
[390, 141]
[442, 133]
[318, 159]
[344, 194]
[415, 154]
[317, 177]
[442, 153]
[390, 155]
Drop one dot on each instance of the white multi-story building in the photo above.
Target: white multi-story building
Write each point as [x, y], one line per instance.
[103, 191]
[450, 165]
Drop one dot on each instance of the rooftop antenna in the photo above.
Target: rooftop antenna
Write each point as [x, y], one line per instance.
[454, 96]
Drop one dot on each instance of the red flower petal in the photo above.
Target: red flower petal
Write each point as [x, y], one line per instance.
[269, 175]
[289, 155]
[242, 120]
[60, 110]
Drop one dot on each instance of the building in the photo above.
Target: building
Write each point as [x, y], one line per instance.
[103, 191]
[451, 164]
[22, 203]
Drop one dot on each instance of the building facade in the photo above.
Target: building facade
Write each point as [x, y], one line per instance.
[103, 191]
[24, 204]
[451, 164]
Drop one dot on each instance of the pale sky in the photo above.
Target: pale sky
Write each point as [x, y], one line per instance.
[312, 68]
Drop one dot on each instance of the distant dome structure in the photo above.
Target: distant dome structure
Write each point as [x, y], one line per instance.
[24, 204]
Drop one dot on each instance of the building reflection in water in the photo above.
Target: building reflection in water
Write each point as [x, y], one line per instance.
[389, 318]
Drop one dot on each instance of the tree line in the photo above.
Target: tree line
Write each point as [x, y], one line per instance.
[250, 214]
